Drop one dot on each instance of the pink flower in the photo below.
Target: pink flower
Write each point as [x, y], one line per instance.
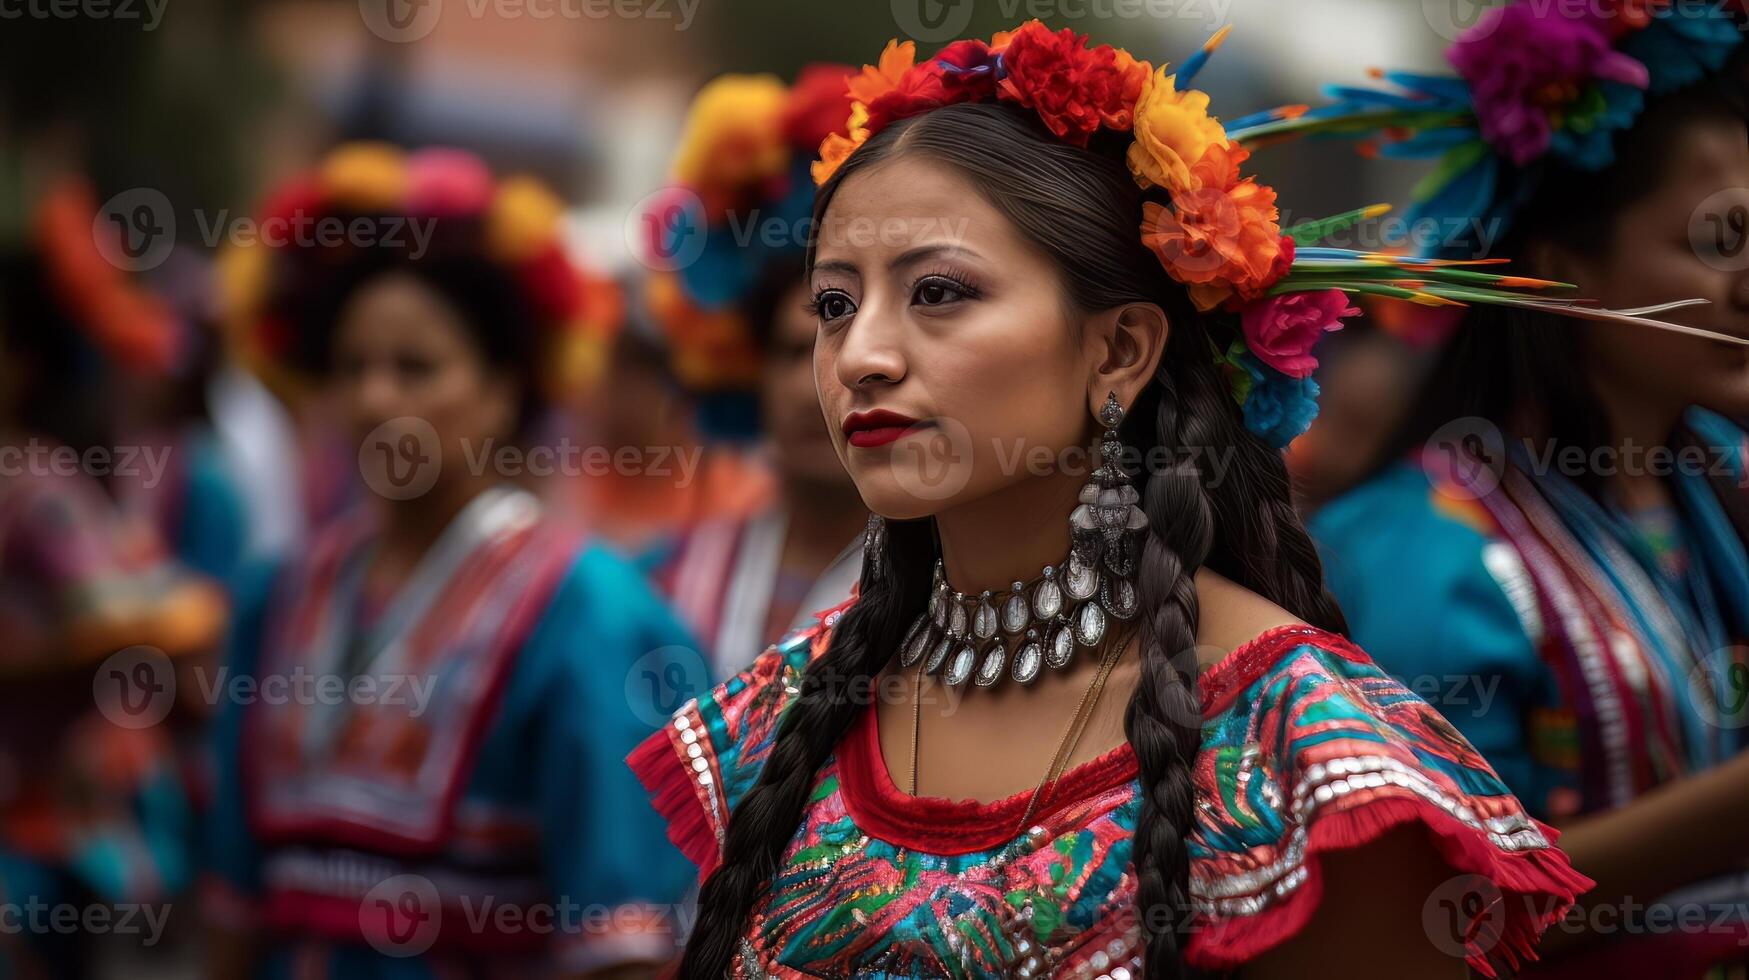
[447, 182]
[1525, 63]
[1282, 330]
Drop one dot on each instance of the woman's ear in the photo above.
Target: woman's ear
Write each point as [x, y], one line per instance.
[1123, 349]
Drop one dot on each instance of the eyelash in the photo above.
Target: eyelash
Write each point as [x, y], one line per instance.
[955, 282]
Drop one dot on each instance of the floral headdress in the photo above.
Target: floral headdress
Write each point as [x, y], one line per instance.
[515, 223]
[739, 200]
[1213, 229]
[1537, 84]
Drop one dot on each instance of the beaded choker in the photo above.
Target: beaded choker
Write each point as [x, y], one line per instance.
[1068, 606]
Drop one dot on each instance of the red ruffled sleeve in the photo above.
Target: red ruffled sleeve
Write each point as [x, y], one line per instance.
[697, 768]
[1310, 748]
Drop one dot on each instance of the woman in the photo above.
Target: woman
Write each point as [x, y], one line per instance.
[94, 807]
[459, 811]
[867, 797]
[741, 339]
[1567, 500]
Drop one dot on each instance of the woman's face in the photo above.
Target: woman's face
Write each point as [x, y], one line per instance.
[803, 446]
[1687, 238]
[408, 375]
[933, 306]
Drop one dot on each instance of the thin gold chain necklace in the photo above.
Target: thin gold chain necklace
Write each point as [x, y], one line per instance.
[1065, 745]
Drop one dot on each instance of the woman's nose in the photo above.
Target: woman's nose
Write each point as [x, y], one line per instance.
[873, 349]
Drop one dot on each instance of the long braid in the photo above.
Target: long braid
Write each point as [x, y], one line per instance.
[1081, 206]
[893, 589]
[1163, 722]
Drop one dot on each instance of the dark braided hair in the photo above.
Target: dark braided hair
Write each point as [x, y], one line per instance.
[1081, 208]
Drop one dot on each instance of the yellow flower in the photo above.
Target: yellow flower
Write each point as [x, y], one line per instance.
[733, 136]
[1173, 129]
[524, 218]
[365, 176]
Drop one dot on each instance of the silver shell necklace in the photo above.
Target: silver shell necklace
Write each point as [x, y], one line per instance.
[1069, 606]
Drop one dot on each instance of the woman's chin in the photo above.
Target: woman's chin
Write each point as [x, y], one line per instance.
[888, 499]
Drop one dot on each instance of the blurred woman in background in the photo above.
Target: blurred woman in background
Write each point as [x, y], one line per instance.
[93, 807]
[462, 810]
[733, 311]
[1566, 506]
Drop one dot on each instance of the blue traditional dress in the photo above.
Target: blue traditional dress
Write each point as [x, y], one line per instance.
[467, 815]
[1307, 748]
[1589, 660]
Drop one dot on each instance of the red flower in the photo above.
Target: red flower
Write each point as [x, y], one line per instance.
[294, 205]
[919, 90]
[1074, 89]
[968, 70]
[551, 281]
[819, 102]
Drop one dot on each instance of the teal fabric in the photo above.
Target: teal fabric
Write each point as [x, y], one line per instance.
[212, 529]
[557, 747]
[1420, 599]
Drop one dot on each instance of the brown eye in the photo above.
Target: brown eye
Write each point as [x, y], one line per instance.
[937, 291]
[833, 304]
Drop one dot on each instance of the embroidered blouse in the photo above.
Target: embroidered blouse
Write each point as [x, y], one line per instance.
[464, 804]
[1307, 748]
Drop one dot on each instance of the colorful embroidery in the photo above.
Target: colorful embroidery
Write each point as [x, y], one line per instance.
[1307, 747]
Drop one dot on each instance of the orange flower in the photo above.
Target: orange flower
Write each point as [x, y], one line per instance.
[877, 80]
[1221, 242]
[838, 147]
[897, 62]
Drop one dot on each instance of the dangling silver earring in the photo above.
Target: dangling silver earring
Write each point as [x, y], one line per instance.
[1107, 529]
[1066, 607]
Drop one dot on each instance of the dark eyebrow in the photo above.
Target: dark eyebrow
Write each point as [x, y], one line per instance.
[911, 255]
[903, 259]
[836, 265]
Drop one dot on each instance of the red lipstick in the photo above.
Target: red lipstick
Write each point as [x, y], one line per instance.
[867, 430]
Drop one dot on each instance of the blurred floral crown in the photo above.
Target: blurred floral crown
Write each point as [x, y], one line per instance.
[738, 202]
[1220, 237]
[125, 321]
[519, 229]
[1538, 82]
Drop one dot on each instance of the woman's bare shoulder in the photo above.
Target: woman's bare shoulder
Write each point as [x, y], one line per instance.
[1231, 616]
